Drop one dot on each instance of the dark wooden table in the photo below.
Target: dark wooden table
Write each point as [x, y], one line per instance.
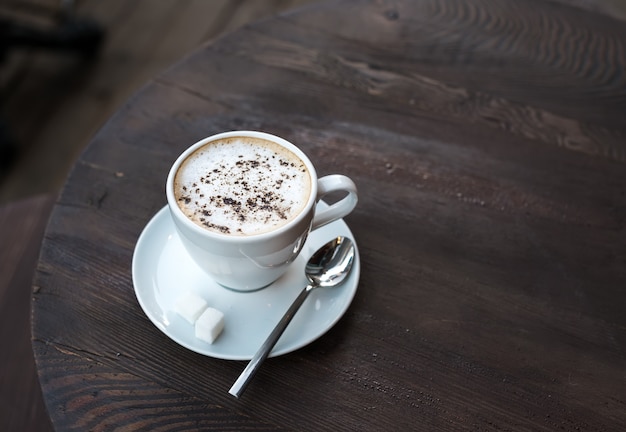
[488, 142]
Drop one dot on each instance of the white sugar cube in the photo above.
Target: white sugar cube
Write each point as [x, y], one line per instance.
[209, 325]
[190, 306]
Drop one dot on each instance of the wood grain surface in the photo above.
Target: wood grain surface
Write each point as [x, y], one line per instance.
[487, 142]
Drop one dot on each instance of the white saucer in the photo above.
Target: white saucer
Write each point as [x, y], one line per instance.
[162, 272]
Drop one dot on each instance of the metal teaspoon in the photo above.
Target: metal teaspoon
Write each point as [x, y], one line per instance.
[328, 267]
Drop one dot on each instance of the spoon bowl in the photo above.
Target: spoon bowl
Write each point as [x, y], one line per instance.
[331, 264]
[328, 267]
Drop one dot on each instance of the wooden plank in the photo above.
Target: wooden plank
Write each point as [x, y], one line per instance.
[613, 8]
[101, 406]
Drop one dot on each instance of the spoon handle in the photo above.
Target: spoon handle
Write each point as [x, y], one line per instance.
[255, 363]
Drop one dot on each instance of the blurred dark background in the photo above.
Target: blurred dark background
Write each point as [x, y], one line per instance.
[66, 66]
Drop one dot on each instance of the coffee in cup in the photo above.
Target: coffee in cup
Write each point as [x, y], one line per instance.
[244, 202]
[242, 186]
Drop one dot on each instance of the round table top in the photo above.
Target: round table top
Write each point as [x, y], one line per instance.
[487, 140]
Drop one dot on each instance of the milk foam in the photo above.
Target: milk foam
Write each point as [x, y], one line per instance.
[242, 186]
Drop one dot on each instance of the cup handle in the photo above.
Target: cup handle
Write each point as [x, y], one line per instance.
[334, 183]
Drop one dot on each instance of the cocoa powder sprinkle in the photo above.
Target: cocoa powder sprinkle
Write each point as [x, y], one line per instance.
[242, 191]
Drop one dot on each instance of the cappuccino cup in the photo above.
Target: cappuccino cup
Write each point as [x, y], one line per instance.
[244, 202]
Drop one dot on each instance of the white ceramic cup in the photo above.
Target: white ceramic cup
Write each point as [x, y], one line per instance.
[248, 263]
